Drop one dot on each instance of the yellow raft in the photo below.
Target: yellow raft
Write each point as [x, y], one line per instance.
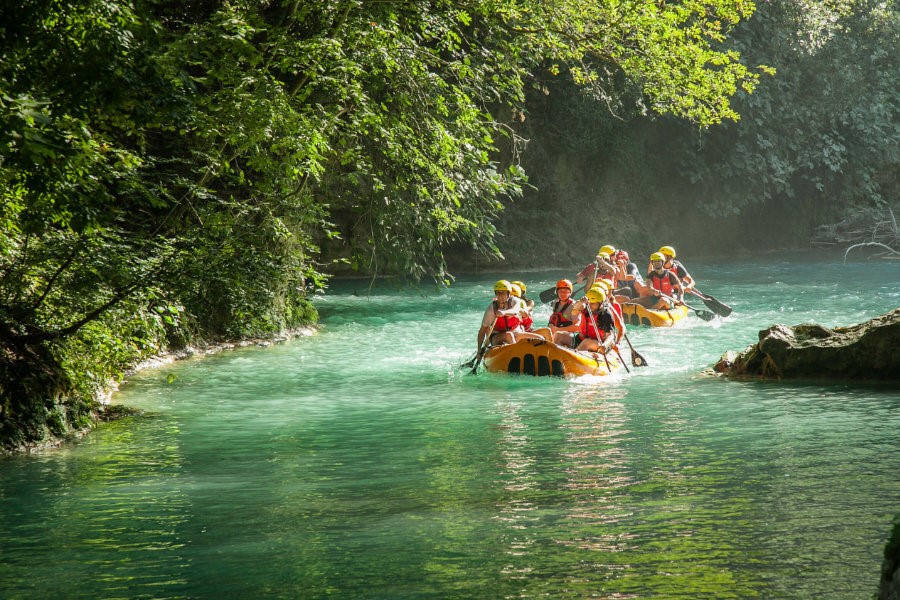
[541, 358]
[635, 314]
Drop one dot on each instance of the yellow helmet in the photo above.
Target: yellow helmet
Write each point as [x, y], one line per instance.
[521, 286]
[604, 256]
[607, 249]
[606, 284]
[503, 286]
[516, 290]
[657, 256]
[668, 251]
[596, 295]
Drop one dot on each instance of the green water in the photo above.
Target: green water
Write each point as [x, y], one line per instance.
[361, 463]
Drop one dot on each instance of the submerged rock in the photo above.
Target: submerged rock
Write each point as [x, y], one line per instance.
[868, 351]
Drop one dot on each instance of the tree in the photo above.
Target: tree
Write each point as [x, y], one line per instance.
[164, 160]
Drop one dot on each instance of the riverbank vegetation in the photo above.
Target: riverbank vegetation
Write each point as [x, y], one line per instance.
[173, 173]
[816, 149]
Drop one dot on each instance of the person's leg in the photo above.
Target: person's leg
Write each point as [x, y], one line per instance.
[505, 337]
[589, 344]
[645, 301]
[544, 333]
[662, 304]
[564, 338]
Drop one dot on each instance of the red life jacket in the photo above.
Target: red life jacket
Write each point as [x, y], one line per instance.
[557, 319]
[527, 322]
[587, 325]
[663, 282]
[618, 320]
[505, 322]
[617, 308]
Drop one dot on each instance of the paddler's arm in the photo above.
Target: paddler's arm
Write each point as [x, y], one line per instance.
[482, 332]
[679, 288]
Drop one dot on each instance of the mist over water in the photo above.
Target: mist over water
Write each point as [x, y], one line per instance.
[362, 463]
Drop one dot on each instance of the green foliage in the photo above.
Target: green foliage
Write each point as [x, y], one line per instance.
[825, 128]
[818, 140]
[175, 170]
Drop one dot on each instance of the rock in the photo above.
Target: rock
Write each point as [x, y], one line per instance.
[890, 570]
[868, 351]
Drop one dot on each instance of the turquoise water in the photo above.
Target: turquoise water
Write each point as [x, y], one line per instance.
[361, 463]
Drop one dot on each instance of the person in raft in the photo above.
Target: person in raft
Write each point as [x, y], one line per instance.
[597, 331]
[524, 310]
[603, 267]
[629, 282]
[501, 317]
[616, 307]
[563, 317]
[528, 301]
[664, 288]
[676, 267]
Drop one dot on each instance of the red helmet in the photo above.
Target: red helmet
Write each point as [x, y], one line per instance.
[564, 283]
[622, 255]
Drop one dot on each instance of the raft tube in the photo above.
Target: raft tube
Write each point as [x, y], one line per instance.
[544, 359]
[635, 314]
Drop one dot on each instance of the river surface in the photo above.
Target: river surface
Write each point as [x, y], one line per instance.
[363, 463]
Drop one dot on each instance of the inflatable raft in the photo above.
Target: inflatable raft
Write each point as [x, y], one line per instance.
[635, 314]
[541, 358]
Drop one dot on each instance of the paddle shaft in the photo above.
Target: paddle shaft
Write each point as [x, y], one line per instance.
[703, 314]
[597, 331]
[483, 347]
[636, 359]
[621, 360]
[550, 293]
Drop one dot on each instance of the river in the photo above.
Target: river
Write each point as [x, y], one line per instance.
[362, 462]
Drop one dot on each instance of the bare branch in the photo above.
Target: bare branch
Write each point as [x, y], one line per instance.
[878, 244]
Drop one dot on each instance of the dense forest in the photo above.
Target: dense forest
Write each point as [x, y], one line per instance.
[174, 172]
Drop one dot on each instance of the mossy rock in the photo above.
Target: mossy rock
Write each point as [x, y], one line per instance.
[113, 412]
[868, 351]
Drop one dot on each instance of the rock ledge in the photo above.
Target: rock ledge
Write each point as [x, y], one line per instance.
[869, 351]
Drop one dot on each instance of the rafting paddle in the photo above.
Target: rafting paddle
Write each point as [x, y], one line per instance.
[621, 360]
[703, 314]
[721, 309]
[483, 348]
[550, 294]
[597, 331]
[636, 359]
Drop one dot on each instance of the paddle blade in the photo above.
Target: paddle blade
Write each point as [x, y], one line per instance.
[703, 314]
[547, 295]
[717, 307]
[637, 360]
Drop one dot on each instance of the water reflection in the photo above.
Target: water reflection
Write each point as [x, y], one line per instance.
[322, 468]
[111, 521]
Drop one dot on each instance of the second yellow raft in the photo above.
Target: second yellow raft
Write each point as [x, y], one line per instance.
[635, 314]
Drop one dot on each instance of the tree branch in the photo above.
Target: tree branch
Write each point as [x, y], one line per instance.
[878, 244]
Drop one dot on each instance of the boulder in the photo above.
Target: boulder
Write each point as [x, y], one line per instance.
[868, 351]
[890, 570]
